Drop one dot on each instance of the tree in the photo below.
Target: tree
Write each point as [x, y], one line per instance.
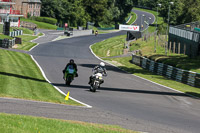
[191, 11]
[96, 9]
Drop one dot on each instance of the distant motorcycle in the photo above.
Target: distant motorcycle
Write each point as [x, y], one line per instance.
[69, 75]
[96, 33]
[96, 81]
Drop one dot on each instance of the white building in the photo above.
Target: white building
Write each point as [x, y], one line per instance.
[7, 13]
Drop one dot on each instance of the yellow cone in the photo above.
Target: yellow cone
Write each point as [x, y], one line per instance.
[67, 97]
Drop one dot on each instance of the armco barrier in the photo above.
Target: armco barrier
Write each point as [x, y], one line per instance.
[197, 80]
[180, 75]
[160, 68]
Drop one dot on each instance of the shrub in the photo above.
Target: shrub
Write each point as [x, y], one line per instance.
[46, 20]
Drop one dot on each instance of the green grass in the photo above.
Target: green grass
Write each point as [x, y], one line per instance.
[147, 49]
[26, 44]
[125, 64]
[114, 45]
[5, 37]
[41, 25]
[1, 28]
[160, 19]
[21, 78]
[25, 30]
[28, 124]
[133, 18]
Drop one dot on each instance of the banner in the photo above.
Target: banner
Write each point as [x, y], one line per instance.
[129, 27]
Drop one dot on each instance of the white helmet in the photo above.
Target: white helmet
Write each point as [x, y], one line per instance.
[102, 64]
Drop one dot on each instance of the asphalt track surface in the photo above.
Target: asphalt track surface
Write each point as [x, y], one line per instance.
[148, 17]
[123, 99]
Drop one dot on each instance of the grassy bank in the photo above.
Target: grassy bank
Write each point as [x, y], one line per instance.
[125, 64]
[5, 37]
[26, 42]
[110, 47]
[114, 45]
[21, 78]
[132, 19]
[159, 21]
[41, 25]
[28, 124]
[25, 30]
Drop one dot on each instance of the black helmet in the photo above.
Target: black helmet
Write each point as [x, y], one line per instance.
[71, 61]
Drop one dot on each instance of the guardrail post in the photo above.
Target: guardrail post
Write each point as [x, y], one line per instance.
[191, 78]
[169, 71]
[160, 68]
[144, 62]
[197, 80]
[151, 67]
[179, 75]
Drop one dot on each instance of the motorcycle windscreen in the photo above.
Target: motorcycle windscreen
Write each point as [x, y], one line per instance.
[70, 69]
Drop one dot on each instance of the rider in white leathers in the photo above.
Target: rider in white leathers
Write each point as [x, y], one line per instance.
[98, 69]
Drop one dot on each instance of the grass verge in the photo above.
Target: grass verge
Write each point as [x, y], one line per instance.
[160, 20]
[132, 19]
[26, 44]
[21, 78]
[41, 25]
[5, 37]
[25, 30]
[125, 64]
[28, 124]
[113, 45]
[110, 47]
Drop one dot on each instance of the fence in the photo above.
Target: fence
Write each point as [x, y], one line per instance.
[180, 75]
[16, 33]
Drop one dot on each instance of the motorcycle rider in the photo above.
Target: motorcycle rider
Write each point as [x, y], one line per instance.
[71, 62]
[98, 69]
[96, 33]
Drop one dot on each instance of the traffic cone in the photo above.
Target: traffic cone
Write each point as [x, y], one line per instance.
[67, 97]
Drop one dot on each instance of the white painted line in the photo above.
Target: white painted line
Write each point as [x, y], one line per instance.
[88, 106]
[136, 17]
[140, 77]
[37, 43]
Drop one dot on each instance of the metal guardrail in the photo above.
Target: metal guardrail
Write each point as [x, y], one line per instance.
[180, 75]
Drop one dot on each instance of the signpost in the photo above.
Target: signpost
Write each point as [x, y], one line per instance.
[129, 27]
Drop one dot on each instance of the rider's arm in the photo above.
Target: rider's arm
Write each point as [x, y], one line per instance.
[94, 69]
[105, 72]
[65, 68]
[75, 66]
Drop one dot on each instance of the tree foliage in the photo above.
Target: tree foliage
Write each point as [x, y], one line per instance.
[110, 12]
[79, 12]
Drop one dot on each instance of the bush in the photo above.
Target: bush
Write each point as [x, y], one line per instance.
[46, 20]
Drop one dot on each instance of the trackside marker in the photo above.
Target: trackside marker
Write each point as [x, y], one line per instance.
[67, 97]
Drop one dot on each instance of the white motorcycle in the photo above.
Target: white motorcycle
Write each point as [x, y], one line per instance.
[96, 81]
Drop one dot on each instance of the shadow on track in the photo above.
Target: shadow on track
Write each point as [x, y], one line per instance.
[124, 90]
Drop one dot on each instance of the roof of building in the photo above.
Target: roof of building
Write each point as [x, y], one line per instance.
[189, 26]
